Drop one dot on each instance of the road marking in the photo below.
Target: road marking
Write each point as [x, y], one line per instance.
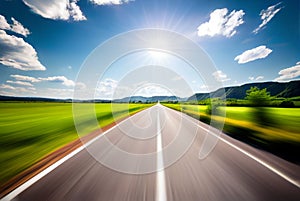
[160, 176]
[40, 175]
[37, 177]
[273, 169]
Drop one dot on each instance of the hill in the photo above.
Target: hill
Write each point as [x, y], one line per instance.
[277, 89]
[136, 99]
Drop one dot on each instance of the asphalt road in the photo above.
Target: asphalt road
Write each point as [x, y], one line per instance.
[232, 171]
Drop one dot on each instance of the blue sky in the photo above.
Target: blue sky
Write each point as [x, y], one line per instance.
[44, 43]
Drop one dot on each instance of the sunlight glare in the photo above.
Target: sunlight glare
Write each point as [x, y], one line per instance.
[156, 55]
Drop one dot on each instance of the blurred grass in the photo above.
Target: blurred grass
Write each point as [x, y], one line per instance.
[280, 136]
[30, 131]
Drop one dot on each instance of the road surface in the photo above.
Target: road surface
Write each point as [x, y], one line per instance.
[232, 171]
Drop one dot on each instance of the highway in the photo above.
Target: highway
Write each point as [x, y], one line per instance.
[232, 171]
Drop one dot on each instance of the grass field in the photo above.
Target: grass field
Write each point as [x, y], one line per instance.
[29, 131]
[281, 135]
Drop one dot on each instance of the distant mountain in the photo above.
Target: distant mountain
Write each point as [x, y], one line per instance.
[136, 99]
[133, 99]
[285, 90]
[32, 99]
[278, 89]
[41, 99]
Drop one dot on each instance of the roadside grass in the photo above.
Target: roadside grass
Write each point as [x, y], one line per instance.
[30, 131]
[281, 136]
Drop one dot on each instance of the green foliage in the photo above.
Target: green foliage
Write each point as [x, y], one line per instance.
[29, 131]
[281, 136]
[213, 106]
[258, 97]
[287, 103]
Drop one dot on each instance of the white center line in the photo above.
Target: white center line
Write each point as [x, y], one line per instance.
[160, 177]
[49, 169]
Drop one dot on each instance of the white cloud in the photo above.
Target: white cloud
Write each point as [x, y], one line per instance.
[19, 28]
[220, 23]
[107, 87]
[109, 2]
[16, 27]
[6, 86]
[56, 9]
[25, 78]
[259, 78]
[75, 11]
[17, 89]
[20, 83]
[259, 52]
[152, 90]
[3, 23]
[60, 79]
[289, 73]
[80, 85]
[7, 93]
[220, 76]
[29, 89]
[251, 78]
[16, 53]
[256, 78]
[267, 15]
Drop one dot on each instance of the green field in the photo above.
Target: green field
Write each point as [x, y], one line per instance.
[280, 134]
[29, 131]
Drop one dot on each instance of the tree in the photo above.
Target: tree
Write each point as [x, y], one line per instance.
[287, 103]
[258, 97]
[213, 105]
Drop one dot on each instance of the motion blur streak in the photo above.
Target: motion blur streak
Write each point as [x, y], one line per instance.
[286, 177]
[160, 178]
[34, 179]
[226, 174]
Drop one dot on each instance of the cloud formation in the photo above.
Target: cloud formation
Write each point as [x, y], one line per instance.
[25, 78]
[16, 27]
[17, 53]
[267, 15]
[106, 87]
[109, 2]
[259, 52]
[220, 76]
[20, 83]
[290, 73]
[16, 89]
[152, 90]
[75, 11]
[56, 9]
[3, 23]
[59, 79]
[221, 23]
[7, 86]
[256, 78]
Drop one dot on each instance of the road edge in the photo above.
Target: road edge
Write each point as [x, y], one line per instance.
[53, 157]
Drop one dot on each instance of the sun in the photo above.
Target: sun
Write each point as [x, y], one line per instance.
[156, 55]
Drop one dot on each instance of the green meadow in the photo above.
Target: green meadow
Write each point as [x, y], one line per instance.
[280, 134]
[30, 131]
